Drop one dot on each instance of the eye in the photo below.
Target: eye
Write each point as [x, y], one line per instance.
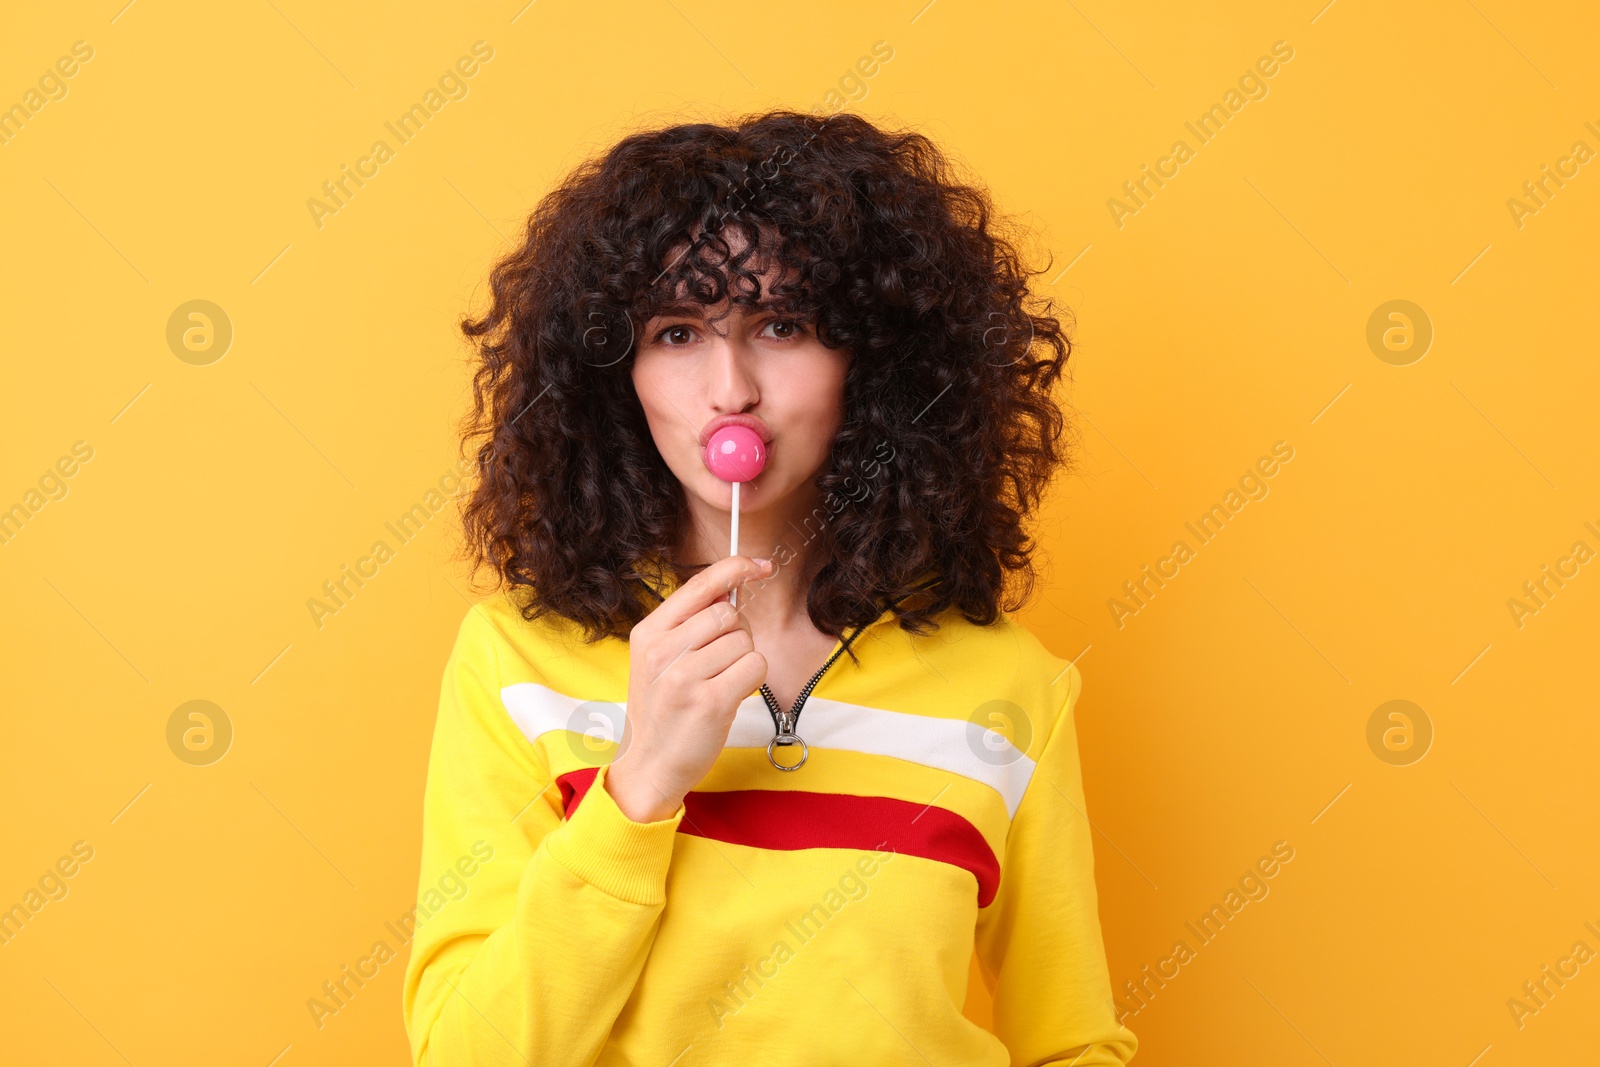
[679, 332]
[788, 329]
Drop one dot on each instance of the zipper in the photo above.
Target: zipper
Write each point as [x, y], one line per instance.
[786, 721]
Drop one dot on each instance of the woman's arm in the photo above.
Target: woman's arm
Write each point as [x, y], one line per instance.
[1038, 941]
[533, 963]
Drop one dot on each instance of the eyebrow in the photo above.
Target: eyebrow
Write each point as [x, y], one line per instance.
[692, 309]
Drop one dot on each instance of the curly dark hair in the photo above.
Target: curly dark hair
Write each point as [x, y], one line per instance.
[889, 255]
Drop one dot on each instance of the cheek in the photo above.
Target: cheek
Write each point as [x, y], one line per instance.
[816, 377]
[668, 397]
[816, 410]
[653, 388]
[827, 401]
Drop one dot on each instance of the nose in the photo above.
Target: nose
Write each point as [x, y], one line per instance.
[731, 386]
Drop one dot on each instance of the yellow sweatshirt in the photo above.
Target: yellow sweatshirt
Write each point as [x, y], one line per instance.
[826, 915]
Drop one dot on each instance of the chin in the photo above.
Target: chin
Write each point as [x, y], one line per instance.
[752, 495]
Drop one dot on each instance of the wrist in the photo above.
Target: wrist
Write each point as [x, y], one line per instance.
[636, 797]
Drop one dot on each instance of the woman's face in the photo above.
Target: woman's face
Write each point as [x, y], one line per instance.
[688, 371]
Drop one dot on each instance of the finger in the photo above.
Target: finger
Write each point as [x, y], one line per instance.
[708, 624]
[706, 588]
[705, 664]
[697, 633]
[740, 678]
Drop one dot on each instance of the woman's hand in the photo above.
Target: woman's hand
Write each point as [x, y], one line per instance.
[691, 662]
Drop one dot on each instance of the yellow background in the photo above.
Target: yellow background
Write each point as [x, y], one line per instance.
[1229, 313]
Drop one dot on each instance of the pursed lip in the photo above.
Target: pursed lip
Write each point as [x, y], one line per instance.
[749, 421]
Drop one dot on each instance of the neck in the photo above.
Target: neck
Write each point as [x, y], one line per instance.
[778, 603]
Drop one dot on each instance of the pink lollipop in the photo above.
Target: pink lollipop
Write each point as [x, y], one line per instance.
[735, 454]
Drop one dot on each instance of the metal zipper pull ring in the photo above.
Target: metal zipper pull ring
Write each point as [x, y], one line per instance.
[786, 740]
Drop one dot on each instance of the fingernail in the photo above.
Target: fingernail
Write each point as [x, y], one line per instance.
[761, 562]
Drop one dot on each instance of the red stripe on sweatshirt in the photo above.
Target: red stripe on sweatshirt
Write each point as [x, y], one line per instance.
[783, 819]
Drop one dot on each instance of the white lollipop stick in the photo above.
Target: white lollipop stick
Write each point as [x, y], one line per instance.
[735, 453]
[733, 540]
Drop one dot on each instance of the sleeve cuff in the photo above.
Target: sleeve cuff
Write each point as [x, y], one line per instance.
[612, 852]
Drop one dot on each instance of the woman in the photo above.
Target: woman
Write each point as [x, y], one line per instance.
[830, 792]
